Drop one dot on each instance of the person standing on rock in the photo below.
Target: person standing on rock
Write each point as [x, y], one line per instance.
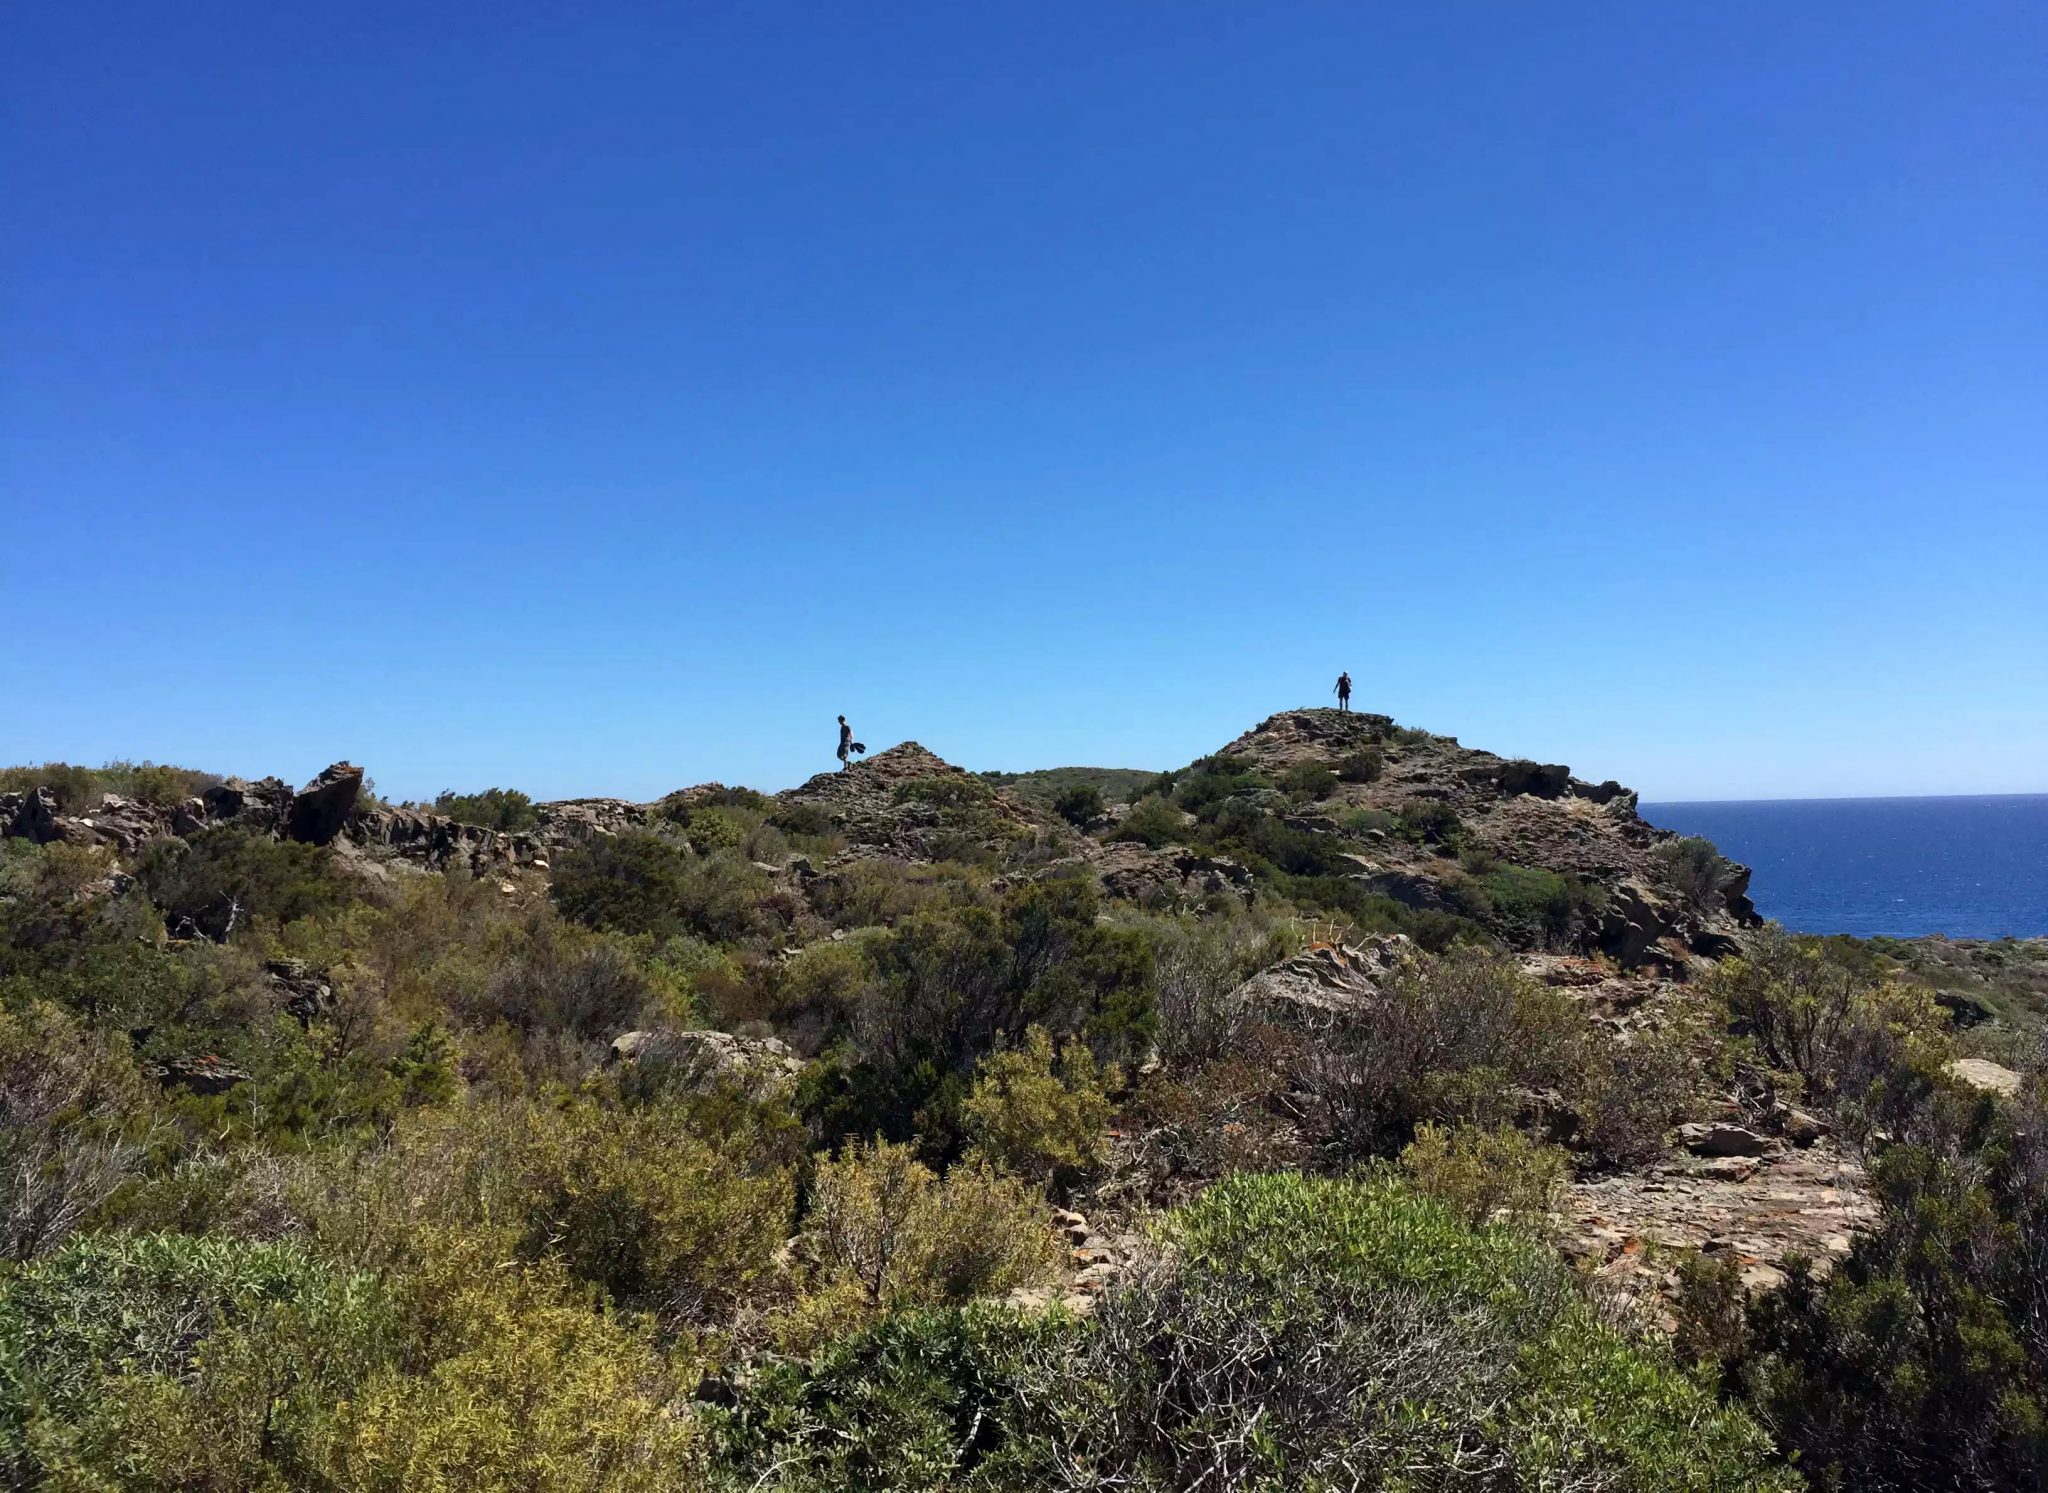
[845, 742]
[1344, 690]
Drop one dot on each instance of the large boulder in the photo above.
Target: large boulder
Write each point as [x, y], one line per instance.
[1324, 981]
[34, 816]
[320, 809]
[1981, 1073]
[700, 1062]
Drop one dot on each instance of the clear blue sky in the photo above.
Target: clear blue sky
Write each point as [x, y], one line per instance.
[600, 398]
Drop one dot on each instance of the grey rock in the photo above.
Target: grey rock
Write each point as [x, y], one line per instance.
[320, 809]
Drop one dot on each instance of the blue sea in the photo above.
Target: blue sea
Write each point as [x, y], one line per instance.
[1967, 867]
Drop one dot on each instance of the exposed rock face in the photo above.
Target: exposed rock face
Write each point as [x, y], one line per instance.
[262, 806]
[320, 809]
[1323, 981]
[32, 816]
[1512, 811]
[303, 991]
[202, 1074]
[701, 1061]
[435, 842]
[121, 823]
[1755, 1210]
[1169, 877]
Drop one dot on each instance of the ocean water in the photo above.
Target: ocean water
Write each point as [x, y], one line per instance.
[1967, 867]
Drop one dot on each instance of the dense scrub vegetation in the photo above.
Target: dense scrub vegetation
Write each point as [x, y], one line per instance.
[313, 1180]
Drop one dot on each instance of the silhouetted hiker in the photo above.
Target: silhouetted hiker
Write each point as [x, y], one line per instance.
[845, 742]
[1344, 690]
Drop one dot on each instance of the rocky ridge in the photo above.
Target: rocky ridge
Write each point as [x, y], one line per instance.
[1759, 1195]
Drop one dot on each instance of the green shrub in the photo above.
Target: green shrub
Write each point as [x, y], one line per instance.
[186, 1362]
[1039, 1116]
[1832, 1023]
[883, 1221]
[222, 880]
[1920, 1361]
[1297, 1334]
[511, 1383]
[1465, 1038]
[1431, 822]
[1362, 766]
[494, 808]
[72, 1107]
[1153, 821]
[1080, 805]
[801, 820]
[1308, 782]
[1531, 908]
[1485, 1175]
[1698, 872]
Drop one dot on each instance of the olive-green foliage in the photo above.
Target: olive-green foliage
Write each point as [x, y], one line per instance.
[1698, 872]
[1362, 766]
[1533, 908]
[1829, 1020]
[633, 883]
[493, 808]
[1431, 822]
[950, 984]
[1114, 784]
[513, 1385]
[73, 1108]
[645, 884]
[1039, 1115]
[1300, 1334]
[224, 879]
[1483, 1174]
[1080, 805]
[1306, 782]
[1921, 1360]
[636, 1201]
[883, 1222]
[1458, 1039]
[965, 1400]
[801, 820]
[170, 1361]
[1153, 821]
[78, 788]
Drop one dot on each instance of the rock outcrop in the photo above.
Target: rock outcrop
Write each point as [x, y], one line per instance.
[909, 802]
[699, 1062]
[1493, 810]
[320, 809]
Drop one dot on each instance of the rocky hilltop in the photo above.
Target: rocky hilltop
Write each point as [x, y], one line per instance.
[1403, 839]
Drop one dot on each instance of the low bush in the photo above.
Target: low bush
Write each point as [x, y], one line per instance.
[1465, 1038]
[886, 1223]
[1921, 1359]
[1531, 908]
[73, 1111]
[1298, 1334]
[1041, 1116]
[1698, 872]
[1430, 821]
[223, 880]
[1308, 782]
[1080, 805]
[172, 1361]
[1153, 821]
[1487, 1175]
[1362, 766]
[494, 808]
[1827, 1021]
